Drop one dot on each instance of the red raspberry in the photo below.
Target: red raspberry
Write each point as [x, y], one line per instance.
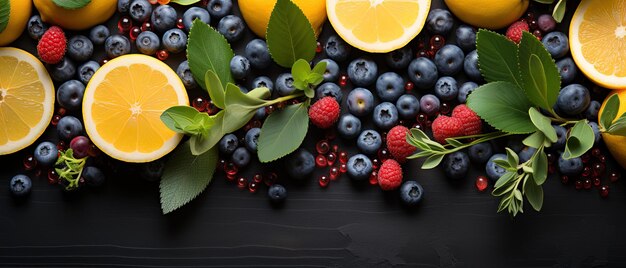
[52, 45]
[515, 31]
[397, 145]
[325, 112]
[447, 127]
[390, 175]
[470, 120]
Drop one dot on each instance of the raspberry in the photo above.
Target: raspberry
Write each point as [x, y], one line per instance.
[515, 31]
[52, 45]
[470, 120]
[390, 175]
[447, 127]
[397, 145]
[325, 112]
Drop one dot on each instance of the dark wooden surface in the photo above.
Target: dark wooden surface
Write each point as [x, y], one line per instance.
[345, 225]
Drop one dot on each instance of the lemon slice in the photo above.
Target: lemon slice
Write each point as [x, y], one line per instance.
[26, 99]
[377, 25]
[123, 103]
[598, 41]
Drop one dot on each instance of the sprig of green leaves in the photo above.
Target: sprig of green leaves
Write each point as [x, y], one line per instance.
[609, 122]
[306, 79]
[69, 168]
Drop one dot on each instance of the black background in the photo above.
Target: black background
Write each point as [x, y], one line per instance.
[344, 225]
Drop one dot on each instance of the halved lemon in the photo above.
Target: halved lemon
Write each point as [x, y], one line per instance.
[377, 25]
[598, 41]
[123, 103]
[26, 99]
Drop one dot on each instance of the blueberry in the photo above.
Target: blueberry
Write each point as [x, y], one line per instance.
[20, 185]
[480, 153]
[122, 5]
[263, 81]
[152, 171]
[360, 101]
[359, 167]
[277, 193]
[228, 144]
[399, 58]
[464, 91]
[163, 18]
[573, 99]
[260, 113]
[556, 43]
[36, 27]
[456, 165]
[515, 143]
[219, 8]
[592, 111]
[337, 49]
[570, 167]
[175, 40]
[239, 67]
[63, 71]
[411, 193]
[449, 60]
[300, 164]
[99, 34]
[470, 66]
[561, 134]
[195, 13]
[429, 104]
[70, 95]
[408, 106]
[349, 126]
[546, 23]
[526, 153]
[232, 27]
[46, 153]
[140, 10]
[466, 38]
[185, 75]
[93, 176]
[567, 70]
[116, 45]
[385, 115]
[332, 70]
[369, 141]
[148, 42]
[362, 72]
[494, 172]
[423, 73]
[258, 54]
[241, 157]
[329, 89]
[446, 88]
[69, 127]
[439, 21]
[596, 132]
[251, 139]
[284, 84]
[86, 71]
[389, 86]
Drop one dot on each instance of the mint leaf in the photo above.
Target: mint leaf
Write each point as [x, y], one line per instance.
[540, 167]
[212, 136]
[580, 140]
[320, 68]
[541, 80]
[290, 35]
[543, 123]
[71, 4]
[179, 118]
[241, 108]
[511, 157]
[610, 111]
[497, 57]
[185, 2]
[559, 11]
[534, 194]
[5, 13]
[504, 106]
[215, 89]
[534, 140]
[283, 132]
[432, 161]
[207, 50]
[185, 176]
[619, 126]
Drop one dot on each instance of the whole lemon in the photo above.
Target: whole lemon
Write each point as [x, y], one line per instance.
[490, 14]
[94, 13]
[18, 17]
[615, 143]
[257, 13]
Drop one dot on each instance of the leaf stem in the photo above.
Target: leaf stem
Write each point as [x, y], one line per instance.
[285, 98]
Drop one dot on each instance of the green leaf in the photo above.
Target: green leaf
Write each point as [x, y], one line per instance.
[534, 194]
[511, 157]
[619, 126]
[185, 2]
[543, 123]
[454, 142]
[504, 106]
[185, 176]
[5, 13]
[610, 111]
[504, 179]
[283, 132]
[212, 136]
[181, 119]
[215, 88]
[300, 70]
[503, 163]
[534, 140]
[509, 183]
[314, 79]
[432, 161]
[540, 167]
[559, 11]
[241, 108]
[580, 140]
[518, 194]
[497, 57]
[541, 80]
[289, 34]
[320, 68]
[545, 1]
[207, 49]
[71, 4]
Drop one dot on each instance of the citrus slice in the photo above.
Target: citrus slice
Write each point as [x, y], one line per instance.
[377, 25]
[123, 103]
[26, 99]
[598, 41]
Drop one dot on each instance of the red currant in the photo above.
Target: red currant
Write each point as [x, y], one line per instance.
[481, 183]
[604, 191]
[324, 181]
[374, 178]
[331, 158]
[253, 186]
[162, 54]
[242, 183]
[334, 173]
[30, 162]
[322, 147]
[320, 161]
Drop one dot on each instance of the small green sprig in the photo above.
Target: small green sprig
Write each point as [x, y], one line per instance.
[70, 169]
